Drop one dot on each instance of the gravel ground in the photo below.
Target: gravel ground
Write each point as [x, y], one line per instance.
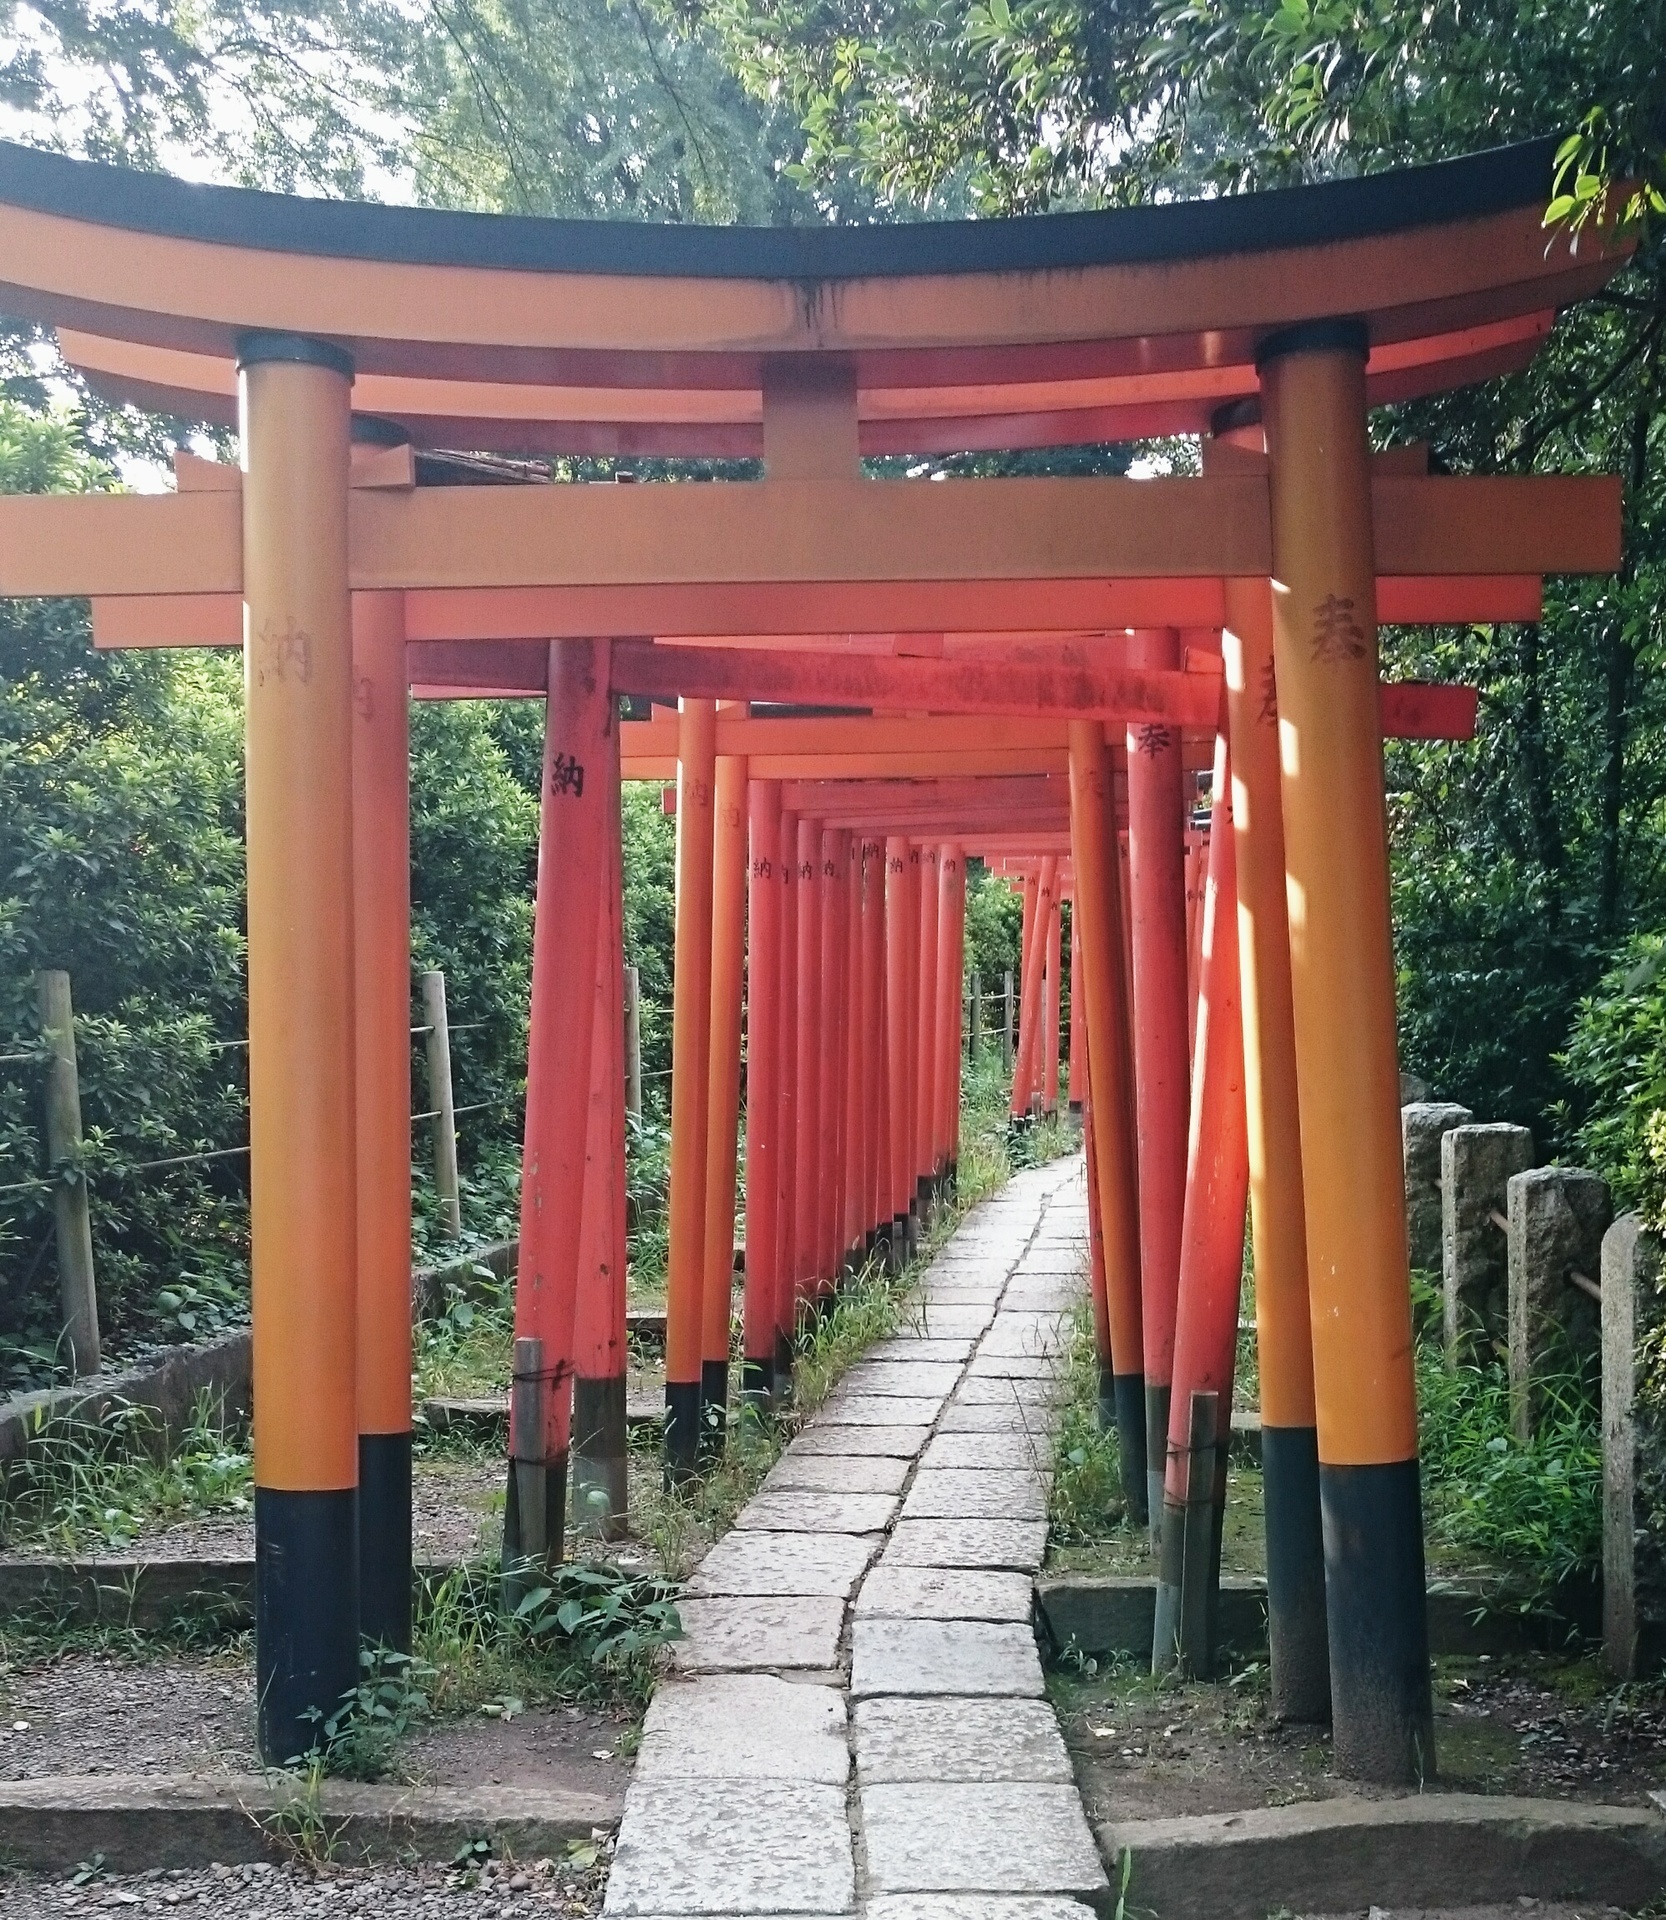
[494, 1892]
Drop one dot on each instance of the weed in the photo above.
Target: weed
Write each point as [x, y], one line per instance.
[1087, 1504]
[357, 1741]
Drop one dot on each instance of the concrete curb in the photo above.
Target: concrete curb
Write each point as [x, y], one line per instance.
[1112, 1613]
[1433, 1850]
[140, 1822]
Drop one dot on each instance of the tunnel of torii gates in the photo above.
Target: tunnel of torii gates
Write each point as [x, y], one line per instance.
[1020, 668]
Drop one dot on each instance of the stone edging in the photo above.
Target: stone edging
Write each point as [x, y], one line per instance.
[1349, 1854]
[140, 1822]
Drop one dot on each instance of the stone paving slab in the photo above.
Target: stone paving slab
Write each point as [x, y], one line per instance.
[1035, 1295]
[836, 1473]
[758, 1565]
[744, 1726]
[998, 1452]
[785, 1633]
[978, 1838]
[931, 1378]
[806, 1510]
[1015, 1366]
[879, 1410]
[1006, 1416]
[973, 1906]
[941, 1593]
[954, 1322]
[992, 1389]
[1018, 1544]
[935, 1657]
[909, 1346]
[899, 1442]
[732, 1847]
[918, 1740]
[976, 1493]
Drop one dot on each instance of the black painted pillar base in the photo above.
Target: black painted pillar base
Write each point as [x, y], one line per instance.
[1156, 1454]
[385, 1540]
[1128, 1399]
[306, 1615]
[757, 1384]
[601, 1482]
[1381, 1712]
[1297, 1636]
[714, 1408]
[899, 1242]
[534, 1517]
[783, 1370]
[682, 1431]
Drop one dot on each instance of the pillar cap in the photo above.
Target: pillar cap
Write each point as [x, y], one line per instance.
[256, 349]
[1314, 336]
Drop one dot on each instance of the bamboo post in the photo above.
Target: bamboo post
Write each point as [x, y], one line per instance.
[633, 1043]
[1006, 1023]
[70, 1208]
[975, 1041]
[438, 1036]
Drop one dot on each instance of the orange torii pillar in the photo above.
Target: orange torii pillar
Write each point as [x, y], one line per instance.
[690, 1102]
[1157, 887]
[1052, 1001]
[1038, 912]
[851, 1223]
[876, 1209]
[899, 937]
[911, 1062]
[763, 1093]
[1211, 1271]
[580, 796]
[601, 1490]
[1296, 1637]
[1029, 888]
[807, 1168]
[786, 1126]
[1342, 992]
[951, 967]
[834, 886]
[1076, 1078]
[298, 689]
[723, 1100]
[382, 1083]
[1109, 1062]
[1098, 1290]
[925, 1033]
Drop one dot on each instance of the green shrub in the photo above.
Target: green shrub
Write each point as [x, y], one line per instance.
[1616, 1058]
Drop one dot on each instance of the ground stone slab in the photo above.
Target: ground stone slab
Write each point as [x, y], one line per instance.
[984, 1838]
[1000, 1416]
[901, 1442]
[879, 1410]
[1014, 1366]
[972, 1906]
[836, 1473]
[976, 1494]
[748, 1726]
[995, 1451]
[936, 1657]
[761, 1564]
[936, 1593]
[921, 1740]
[802, 1510]
[908, 1346]
[967, 1543]
[1007, 1381]
[929, 1378]
[730, 1635]
[732, 1847]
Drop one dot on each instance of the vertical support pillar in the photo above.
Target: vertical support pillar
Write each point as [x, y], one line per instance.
[437, 1050]
[1110, 1075]
[851, 1224]
[690, 1101]
[1342, 990]
[1051, 1003]
[382, 1099]
[601, 1485]
[925, 1036]
[786, 1125]
[1211, 1259]
[1027, 1076]
[833, 886]
[1075, 1080]
[1007, 1021]
[298, 689]
[723, 1076]
[1157, 886]
[72, 1215]
[951, 895]
[633, 1042]
[899, 932]
[958, 967]
[1098, 1285]
[876, 1209]
[974, 1043]
[807, 1168]
[1296, 1634]
[1020, 1103]
[580, 750]
[763, 1092]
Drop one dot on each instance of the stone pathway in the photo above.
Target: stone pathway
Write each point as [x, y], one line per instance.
[872, 1605]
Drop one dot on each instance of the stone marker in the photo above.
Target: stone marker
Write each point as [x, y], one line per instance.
[1421, 1125]
[1633, 1449]
[1475, 1168]
[1557, 1217]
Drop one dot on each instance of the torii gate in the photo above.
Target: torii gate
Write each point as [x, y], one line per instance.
[1290, 313]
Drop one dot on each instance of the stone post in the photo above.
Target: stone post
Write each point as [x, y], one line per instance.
[1422, 1123]
[1475, 1168]
[1633, 1449]
[1557, 1218]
